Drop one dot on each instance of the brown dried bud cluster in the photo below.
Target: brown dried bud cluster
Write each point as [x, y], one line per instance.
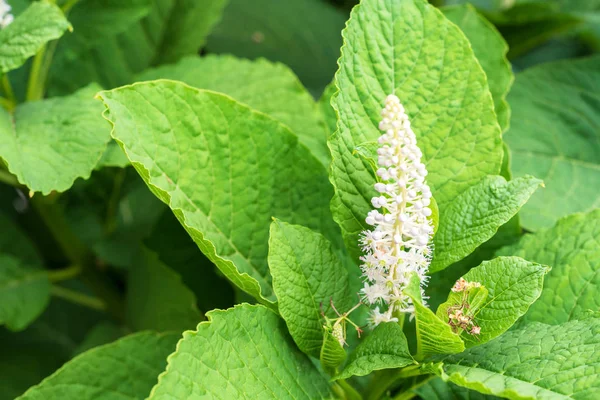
[459, 317]
[463, 285]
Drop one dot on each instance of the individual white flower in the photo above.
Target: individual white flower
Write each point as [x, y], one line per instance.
[5, 16]
[399, 243]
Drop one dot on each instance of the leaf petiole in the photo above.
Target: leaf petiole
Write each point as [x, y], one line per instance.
[78, 298]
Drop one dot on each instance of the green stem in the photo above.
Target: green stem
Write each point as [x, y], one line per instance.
[9, 93]
[34, 91]
[410, 392]
[45, 68]
[64, 274]
[9, 179]
[349, 392]
[78, 254]
[68, 5]
[113, 202]
[78, 298]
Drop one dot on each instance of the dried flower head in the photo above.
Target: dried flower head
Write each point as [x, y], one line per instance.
[399, 243]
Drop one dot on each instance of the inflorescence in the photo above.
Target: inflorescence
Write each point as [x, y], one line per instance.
[5, 14]
[399, 243]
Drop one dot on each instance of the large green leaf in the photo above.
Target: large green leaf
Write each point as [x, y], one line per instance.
[176, 249]
[36, 352]
[157, 299]
[555, 137]
[188, 25]
[409, 48]
[539, 362]
[513, 284]
[307, 275]
[25, 36]
[48, 144]
[571, 249]
[265, 86]
[125, 369]
[434, 336]
[475, 216]
[490, 49]
[243, 352]
[304, 34]
[24, 285]
[114, 40]
[224, 169]
[24, 292]
[384, 348]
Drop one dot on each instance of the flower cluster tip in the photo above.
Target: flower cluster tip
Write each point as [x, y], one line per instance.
[399, 242]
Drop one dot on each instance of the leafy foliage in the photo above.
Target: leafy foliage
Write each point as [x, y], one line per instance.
[252, 344]
[40, 23]
[570, 247]
[538, 362]
[205, 155]
[399, 61]
[307, 274]
[231, 230]
[557, 141]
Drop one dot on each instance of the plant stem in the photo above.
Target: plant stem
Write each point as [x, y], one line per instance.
[68, 5]
[78, 254]
[409, 393]
[9, 178]
[10, 100]
[64, 274]
[78, 298]
[34, 91]
[344, 391]
[113, 202]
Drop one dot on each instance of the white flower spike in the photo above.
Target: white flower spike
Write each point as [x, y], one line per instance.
[399, 243]
[5, 16]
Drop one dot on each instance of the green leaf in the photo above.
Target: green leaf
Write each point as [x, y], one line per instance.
[248, 81]
[48, 144]
[113, 156]
[243, 352]
[176, 249]
[115, 40]
[538, 362]
[188, 25]
[24, 285]
[157, 299]
[410, 48]
[490, 49]
[332, 352]
[327, 110]
[101, 334]
[555, 137]
[24, 292]
[25, 36]
[475, 216]
[513, 285]
[307, 275]
[231, 170]
[304, 34]
[384, 348]
[36, 352]
[571, 248]
[434, 336]
[125, 369]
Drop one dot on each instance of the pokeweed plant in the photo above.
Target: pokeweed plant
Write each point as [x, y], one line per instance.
[363, 228]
